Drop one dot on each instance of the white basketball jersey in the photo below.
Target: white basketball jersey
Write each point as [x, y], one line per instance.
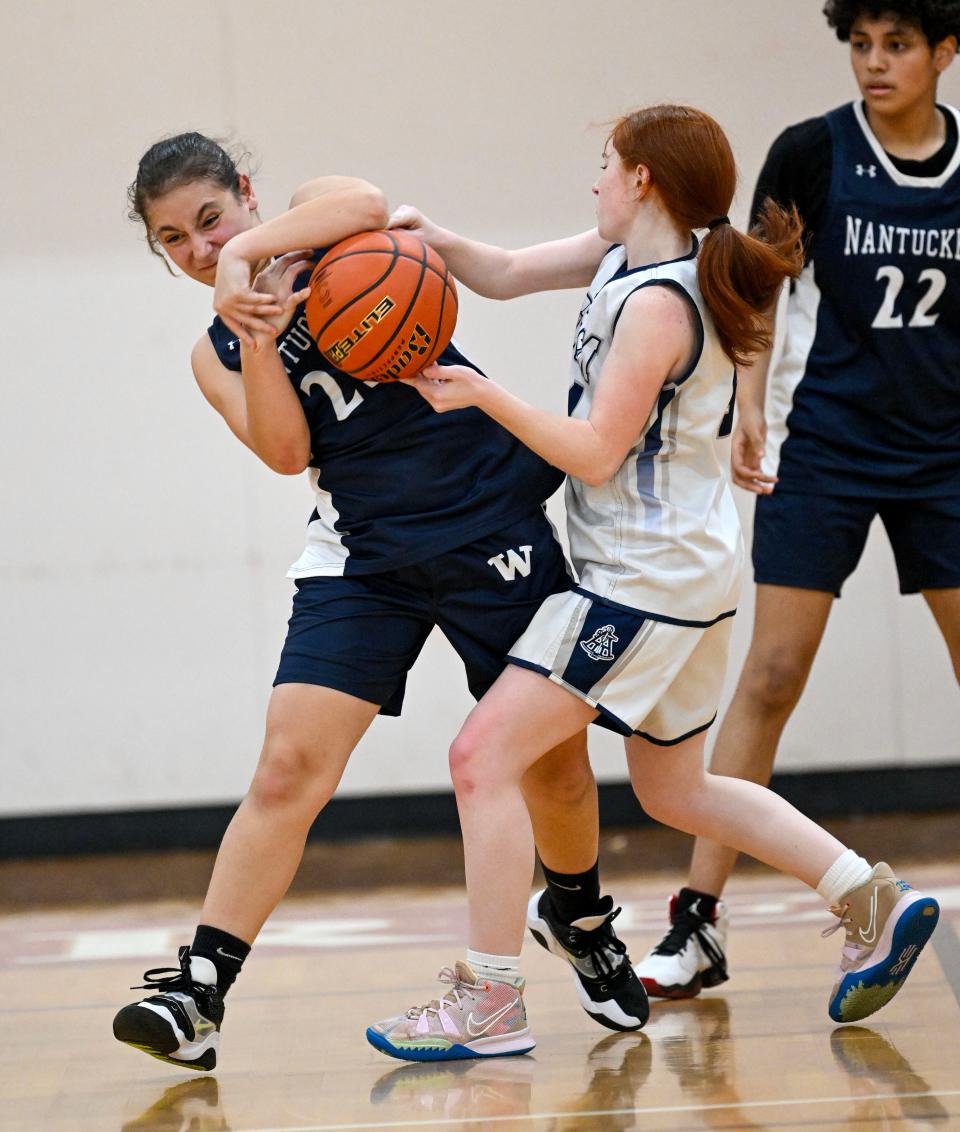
[663, 535]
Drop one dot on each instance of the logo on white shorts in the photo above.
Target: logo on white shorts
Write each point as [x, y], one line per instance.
[600, 645]
[511, 563]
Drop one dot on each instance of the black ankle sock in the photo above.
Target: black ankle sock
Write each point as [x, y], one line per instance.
[706, 905]
[574, 894]
[224, 951]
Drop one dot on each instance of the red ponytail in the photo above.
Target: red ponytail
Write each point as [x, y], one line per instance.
[692, 168]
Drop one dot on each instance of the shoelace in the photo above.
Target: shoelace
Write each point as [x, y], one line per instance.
[849, 951]
[597, 945]
[451, 998]
[840, 911]
[685, 925]
[171, 978]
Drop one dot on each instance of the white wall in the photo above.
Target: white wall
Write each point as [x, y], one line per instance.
[143, 602]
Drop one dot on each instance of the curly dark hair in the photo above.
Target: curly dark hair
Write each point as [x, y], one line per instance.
[936, 18]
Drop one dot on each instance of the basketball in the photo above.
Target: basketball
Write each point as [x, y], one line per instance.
[382, 305]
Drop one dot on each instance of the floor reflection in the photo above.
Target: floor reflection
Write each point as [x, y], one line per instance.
[493, 1087]
[191, 1106]
[693, 1039]
[617, 1068]
[874, 1064]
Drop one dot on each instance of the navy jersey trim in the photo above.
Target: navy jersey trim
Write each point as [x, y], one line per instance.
[677, 286]
[614, 722]
[653, 616]
[623, 272]
[897, 175]
[680, 738]
[605, 717]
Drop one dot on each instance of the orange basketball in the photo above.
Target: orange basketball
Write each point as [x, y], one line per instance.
[382, 305]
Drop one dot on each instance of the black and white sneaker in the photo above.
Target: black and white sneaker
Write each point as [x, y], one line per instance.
[690, 956]
[180, 1024]
[607, 987]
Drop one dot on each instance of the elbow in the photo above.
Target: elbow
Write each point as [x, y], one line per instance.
[376, 209]
[288, 467]
[290, 462]
[597, 474]
[291, 465]
[507, 284]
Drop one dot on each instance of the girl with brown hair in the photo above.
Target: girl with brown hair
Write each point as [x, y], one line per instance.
[640, 644]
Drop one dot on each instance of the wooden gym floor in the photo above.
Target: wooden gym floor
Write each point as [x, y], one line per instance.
[350, 945]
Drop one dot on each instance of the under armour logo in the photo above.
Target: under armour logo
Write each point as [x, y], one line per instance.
[600, 645]
[869, 170]
[510, 563]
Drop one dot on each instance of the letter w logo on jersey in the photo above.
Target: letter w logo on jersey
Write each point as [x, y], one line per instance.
[512, 562]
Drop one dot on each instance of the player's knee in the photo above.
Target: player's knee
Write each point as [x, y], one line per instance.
[283, 779]
[466, 764]
[473, 762]
[774, 681]
[666, 801]
[562, 781]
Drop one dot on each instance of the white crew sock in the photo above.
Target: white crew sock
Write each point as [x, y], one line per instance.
[847, 872]
[499, 968]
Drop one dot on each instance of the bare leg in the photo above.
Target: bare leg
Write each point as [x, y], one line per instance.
[945, 607]
[674, 789]
[561, 796]
[787, 630]
[522, 717]
[310, 734]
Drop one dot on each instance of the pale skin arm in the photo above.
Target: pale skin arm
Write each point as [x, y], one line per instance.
[322, 212]
[749, 439]
[652, 343]
[498, 273]
[259, 405]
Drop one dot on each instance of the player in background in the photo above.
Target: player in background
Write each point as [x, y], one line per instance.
[640, 644]
[422, 549]
[863, 408]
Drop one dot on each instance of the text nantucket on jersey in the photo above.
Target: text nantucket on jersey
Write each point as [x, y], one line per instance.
[867, 238]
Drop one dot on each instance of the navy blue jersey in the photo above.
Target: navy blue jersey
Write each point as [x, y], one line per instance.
[396, 483]
[868, 381]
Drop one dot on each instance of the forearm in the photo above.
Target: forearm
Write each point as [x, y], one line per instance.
[484, 268]
[752, 383]
[323, 220]
[276, 427]
[571, 445]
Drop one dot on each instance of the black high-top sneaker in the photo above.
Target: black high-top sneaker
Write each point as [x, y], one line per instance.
[606, 985]
[690, 956]
[180, 1023]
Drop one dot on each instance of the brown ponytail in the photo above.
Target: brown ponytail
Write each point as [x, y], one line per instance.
[692, 168]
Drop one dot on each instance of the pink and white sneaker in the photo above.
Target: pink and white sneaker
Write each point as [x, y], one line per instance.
[475, 1018]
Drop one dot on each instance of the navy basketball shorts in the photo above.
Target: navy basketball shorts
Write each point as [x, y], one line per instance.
[361, 634]
[814, 542]
[654, 677]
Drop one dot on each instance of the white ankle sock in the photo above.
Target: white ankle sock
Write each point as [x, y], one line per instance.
[500, 968]
[847, 871]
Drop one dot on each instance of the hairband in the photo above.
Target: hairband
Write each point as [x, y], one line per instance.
[718, 221]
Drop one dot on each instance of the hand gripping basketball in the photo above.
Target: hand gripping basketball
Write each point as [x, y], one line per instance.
[382, 305]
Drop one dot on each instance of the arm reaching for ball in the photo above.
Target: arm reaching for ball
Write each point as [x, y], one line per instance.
[498, 273]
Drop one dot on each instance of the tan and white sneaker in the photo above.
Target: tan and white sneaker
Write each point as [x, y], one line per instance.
[476, 1018]
[887, 923]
